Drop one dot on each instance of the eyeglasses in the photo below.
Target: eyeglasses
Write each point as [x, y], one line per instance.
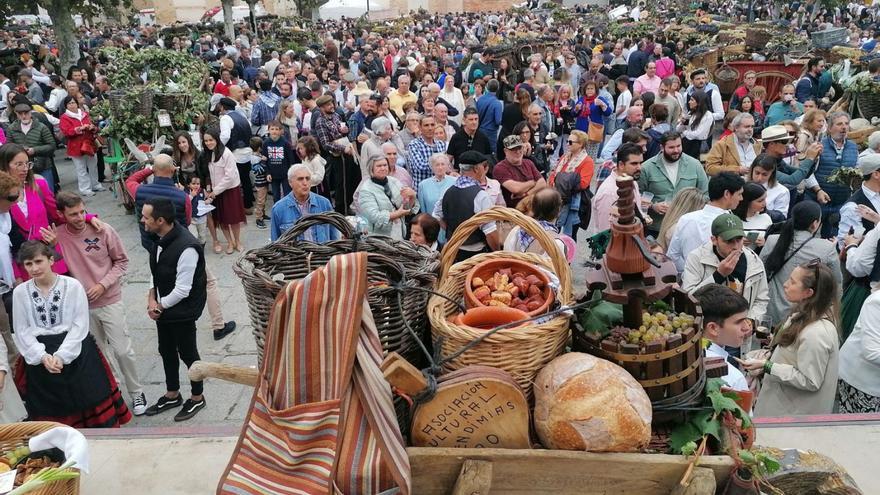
[25, 165]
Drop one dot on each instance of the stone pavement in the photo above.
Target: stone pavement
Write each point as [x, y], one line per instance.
[227, 403]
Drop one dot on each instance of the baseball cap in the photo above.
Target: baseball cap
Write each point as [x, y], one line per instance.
[867, 163]
[512, 141]
[775, 133]
[470, 158]
[727, 226]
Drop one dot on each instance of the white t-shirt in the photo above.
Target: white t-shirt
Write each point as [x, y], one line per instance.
[734, 377]
[623, 101]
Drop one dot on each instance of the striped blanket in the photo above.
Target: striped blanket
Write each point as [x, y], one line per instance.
[321, 420]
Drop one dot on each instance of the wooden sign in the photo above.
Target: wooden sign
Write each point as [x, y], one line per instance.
[474, 407]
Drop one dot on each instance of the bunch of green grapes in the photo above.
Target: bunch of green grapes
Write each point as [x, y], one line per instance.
[659, 326]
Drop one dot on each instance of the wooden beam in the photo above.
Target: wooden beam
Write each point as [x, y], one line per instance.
[475, 478]
[558, 472]
[702, 482]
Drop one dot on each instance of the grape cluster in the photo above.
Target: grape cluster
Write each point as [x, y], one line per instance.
[657, 326]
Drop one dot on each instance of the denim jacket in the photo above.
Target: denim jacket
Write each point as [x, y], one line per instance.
[285, 213]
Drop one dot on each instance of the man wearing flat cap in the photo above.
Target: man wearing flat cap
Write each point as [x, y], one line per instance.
[464, 199]
[36, 138]
[235, 134]
[329, 130]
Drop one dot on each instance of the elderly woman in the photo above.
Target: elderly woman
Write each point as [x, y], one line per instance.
[425, 231]
[397, 164]
[432, 188]
[384, 202]
[873, 144]
[383, 132]
[77, 127]
[411, 128]
[572, 175]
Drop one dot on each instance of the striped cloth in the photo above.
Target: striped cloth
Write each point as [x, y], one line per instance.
[321, 420]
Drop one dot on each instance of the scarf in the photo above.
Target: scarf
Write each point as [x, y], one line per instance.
[79, 115]
[7, 277]
[525, 239]
[386, 187]
[585, 109]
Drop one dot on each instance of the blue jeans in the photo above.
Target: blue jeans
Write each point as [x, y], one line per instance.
[50, 178]
[279, 186]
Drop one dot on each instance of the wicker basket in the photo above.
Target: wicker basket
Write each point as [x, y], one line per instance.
[829, 37]
[868, 105]
[14, 435]
[172, 102]
[265, 271]
[522, 351]
[726, 77]
[757, 38]
[144, 103]
[115, 97]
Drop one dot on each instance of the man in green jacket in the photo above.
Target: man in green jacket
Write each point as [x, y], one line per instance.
[668, 172]
[37, 140]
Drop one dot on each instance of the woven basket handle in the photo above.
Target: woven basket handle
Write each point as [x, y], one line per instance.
[533, 228]
[331, 217]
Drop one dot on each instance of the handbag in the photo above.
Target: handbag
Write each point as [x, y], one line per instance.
[596, 132]
[87, 147]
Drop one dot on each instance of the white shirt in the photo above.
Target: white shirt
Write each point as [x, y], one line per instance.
[778, 198]
[242, 155]
[758, 223]
[734, 377]
[860, 259]
[72, 317]
[859, 362]
[746, 152]
[692, 231]
[186, 269]
[849, 214]
[623, 101]
[482, 202]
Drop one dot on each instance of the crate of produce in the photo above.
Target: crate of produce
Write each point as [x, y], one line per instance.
[757, 38]
[829, 37]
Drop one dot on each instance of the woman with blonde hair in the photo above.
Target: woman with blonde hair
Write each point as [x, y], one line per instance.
[687, 200]
[809, 131]
[287, 117]
[576, 161]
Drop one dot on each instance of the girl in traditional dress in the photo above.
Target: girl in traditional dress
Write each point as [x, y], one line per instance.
[61, 375]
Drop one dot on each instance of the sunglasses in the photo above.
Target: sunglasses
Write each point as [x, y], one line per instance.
[571, 141]
[12, 198]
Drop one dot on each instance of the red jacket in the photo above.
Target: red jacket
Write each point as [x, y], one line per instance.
[78, 142]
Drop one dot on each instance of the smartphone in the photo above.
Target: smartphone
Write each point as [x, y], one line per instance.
[752, 237]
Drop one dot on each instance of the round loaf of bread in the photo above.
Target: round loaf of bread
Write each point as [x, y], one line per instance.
[586, 403]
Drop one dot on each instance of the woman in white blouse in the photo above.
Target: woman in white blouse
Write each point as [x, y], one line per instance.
[763, 172]
[63, 376]
[858, 386]
[454, 97]
[696, 125]
[751, 210]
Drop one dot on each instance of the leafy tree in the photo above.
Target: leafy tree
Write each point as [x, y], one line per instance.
[61, 12]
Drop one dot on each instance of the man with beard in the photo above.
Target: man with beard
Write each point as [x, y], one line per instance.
[736, 152]
[669, 172]
[329, 128]
[700, 81]
[629, 164]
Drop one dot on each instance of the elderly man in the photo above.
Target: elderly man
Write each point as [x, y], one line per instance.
[329, 129]
[635, 117]
[37, 140]
[464, 199]
[441, 117]
[235, 134]
[403, 95]
[736, 152]
[647, 82]
[837, 152]
[873, 142]
[434, 92]
[518, 175]
[34, 91]
[787, 108]
[299, 203]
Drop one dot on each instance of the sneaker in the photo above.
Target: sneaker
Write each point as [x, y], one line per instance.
[87, 194]
[261, 224]
[267, 217]
[98, 188]
[228, 327]
[164, 404]
[190, 409]
[139, 404]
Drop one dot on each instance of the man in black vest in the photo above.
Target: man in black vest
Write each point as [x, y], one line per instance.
[175, 302]
[465, 199]
[235, 134]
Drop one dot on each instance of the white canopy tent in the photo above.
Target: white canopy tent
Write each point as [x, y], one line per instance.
[334, 9]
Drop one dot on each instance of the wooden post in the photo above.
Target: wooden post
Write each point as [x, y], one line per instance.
[402, 375]
[676, 364]
[654, 369]
[475, 478]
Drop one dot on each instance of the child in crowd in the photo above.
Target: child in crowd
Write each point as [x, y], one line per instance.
[725, 323]
[278, 157]
[260, 182]
[196, 196]
[63, 376]
[624, 98]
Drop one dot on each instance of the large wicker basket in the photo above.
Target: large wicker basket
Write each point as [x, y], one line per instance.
[13, 435]
[265, 271]
[522, 351]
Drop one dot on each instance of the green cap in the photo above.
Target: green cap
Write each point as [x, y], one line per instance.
[727, 226]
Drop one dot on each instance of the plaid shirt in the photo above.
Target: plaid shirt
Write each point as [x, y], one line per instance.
[604, 171]
[326, 131]
[418, 153]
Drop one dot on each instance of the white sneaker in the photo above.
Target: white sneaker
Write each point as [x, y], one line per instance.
[98, 188]
[87, 194]
[139, 404]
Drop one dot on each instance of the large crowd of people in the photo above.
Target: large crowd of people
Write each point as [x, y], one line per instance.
[413, 134]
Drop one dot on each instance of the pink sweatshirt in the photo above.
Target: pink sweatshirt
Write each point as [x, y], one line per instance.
[95, 258]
